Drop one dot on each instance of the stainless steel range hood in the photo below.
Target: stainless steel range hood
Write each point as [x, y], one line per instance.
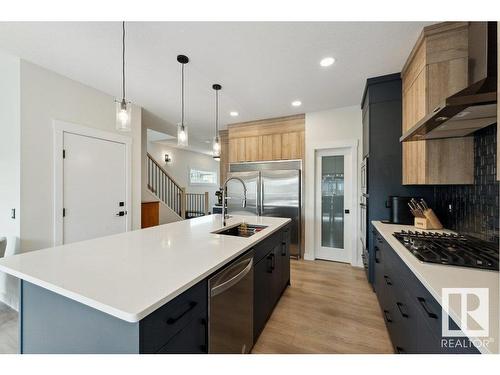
[474, 107]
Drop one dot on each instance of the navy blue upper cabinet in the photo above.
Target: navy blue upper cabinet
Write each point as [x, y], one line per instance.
[382, 117]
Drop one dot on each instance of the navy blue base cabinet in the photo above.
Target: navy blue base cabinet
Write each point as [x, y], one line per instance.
[412, 316]
[52, 323]
[271, 276]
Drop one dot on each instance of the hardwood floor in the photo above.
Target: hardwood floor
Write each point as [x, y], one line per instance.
[9, 330]
[329, 308]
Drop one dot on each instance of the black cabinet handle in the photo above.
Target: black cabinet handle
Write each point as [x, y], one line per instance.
[388, 280]
[270, 264]
[203, 345]
[429, 313]
[402, 309]
[273, 261]
[191, 306]
[377, 260]
[400, 350]
[283, 248]
[387, 316]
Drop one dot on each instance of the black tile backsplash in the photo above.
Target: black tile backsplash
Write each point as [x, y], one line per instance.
[473, 209]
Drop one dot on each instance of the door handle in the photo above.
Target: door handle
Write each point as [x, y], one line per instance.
[121, 213]
[232, 281]
[377, 260]
[261, 198]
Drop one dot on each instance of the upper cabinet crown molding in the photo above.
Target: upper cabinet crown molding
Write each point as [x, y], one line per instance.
[436, 68]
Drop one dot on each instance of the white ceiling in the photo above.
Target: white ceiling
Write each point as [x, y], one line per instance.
[262, 66]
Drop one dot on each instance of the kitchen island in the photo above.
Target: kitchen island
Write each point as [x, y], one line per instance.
[128, 293]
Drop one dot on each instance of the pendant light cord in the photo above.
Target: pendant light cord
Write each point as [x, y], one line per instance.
[217, 113]
[123, 59]
[182, 95]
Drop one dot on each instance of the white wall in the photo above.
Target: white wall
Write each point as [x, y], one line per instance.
[46, 96]
[10, 167]
[10, 144]
[182, 161]
[323, 130]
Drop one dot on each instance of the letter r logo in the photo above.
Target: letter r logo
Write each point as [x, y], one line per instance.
[471, 312]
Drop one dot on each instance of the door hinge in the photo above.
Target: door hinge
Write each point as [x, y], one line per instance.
[64, 154]
[64, 212]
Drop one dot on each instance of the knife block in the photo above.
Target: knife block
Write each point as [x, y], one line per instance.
[429, 221]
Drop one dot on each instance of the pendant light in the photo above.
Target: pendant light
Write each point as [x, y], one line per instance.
[216, 147]
[182, 131]
[123, 108]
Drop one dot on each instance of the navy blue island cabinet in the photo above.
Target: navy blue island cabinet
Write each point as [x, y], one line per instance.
[52, 323]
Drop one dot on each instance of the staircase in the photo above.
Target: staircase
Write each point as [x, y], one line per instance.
[166, 189]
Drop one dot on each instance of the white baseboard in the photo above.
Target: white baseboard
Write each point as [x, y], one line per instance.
[309, 256]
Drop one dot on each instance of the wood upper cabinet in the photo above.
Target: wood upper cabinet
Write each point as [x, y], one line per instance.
[436, 69]
[224, 156]
[273, 139]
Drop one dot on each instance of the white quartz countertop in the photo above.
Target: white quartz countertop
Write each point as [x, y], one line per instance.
[435, 277]
[129, 275]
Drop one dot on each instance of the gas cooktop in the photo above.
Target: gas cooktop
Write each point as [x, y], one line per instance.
[451, 249]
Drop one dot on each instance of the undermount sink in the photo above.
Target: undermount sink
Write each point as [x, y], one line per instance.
[241, 230]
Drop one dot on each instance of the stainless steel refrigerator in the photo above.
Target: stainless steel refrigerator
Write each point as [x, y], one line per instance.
[273, 189]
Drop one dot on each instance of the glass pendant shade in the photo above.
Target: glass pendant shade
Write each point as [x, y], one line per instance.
[216, 147]
[182, 135]
[123, 108]
[123, 115]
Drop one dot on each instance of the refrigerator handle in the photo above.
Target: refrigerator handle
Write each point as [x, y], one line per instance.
[261, 203]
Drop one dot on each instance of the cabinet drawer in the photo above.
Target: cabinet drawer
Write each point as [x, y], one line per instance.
[266, 245]
[192, 339]
[161, 325]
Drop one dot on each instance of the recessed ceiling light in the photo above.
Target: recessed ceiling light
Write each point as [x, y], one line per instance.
[234, 113]
[327, 61]
[296, 103]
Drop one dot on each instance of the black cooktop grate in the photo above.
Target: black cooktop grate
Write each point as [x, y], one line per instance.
[451, 249]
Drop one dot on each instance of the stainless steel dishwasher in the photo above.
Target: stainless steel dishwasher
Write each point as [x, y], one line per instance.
[230, 308]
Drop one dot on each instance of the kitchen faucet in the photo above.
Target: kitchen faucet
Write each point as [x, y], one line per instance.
[224, 208]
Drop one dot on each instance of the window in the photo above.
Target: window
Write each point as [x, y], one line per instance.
[197, 177]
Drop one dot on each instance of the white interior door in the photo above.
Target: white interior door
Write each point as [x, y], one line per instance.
[94, 187]
[333, 196]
